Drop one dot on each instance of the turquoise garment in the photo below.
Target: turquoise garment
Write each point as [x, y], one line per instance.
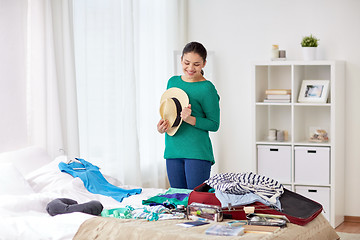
[94, 181]
[173, 196]
[193, 142]
[123, 213]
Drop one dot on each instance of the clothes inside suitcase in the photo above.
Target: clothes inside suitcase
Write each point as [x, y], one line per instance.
[297, 208]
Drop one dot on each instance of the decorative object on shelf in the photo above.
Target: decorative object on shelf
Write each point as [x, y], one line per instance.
[272, 134]
[314, 91]
[309, 46]
[282, 54]
[278, 135]
[274, 52]
[278, 96]
[318, 135]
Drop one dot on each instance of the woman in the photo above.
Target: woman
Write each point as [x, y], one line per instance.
[188, 153]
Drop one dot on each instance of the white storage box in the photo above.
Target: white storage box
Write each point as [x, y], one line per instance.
[317, 194]
[312, 165]
[275, 162]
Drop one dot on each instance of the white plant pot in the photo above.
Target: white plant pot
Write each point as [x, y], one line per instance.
[309, 53]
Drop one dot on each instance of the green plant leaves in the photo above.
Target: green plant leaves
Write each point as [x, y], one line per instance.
[310, 41]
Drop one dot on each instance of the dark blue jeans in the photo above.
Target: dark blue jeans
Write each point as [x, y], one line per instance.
[187, 173]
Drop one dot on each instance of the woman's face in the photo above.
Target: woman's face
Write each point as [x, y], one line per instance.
[192, 64]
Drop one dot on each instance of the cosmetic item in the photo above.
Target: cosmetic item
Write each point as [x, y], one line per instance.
[280, 136]
[286, 136]
[282, 54]
[204, 212]
[272, 134]
[275, 52]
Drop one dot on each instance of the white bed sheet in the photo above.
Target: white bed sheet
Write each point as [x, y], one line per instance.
[24, 216]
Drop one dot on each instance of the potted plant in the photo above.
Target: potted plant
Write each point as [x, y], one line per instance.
[309, 45]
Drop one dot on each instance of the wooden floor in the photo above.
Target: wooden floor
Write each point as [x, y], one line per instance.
[349, 227]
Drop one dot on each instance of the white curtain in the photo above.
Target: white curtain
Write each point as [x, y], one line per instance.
[51, 89]
[124, 57]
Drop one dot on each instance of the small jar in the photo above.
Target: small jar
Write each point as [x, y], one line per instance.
[272, 134]
[275, 52]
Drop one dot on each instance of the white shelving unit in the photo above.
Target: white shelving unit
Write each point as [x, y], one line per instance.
[297, 119]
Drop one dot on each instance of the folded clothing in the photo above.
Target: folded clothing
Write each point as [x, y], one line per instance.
[173, 196]
[66, 205]
[241, 183]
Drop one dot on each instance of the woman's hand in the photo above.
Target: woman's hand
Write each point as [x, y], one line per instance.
[163, 126]
[186, 115]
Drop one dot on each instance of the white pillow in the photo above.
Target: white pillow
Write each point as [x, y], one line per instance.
[27, 159]
[49, 176]
[12, 182]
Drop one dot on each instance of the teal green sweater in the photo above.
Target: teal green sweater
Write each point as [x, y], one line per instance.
[193, 141]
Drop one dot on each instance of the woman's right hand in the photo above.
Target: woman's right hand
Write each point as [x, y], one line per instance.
[163, 126]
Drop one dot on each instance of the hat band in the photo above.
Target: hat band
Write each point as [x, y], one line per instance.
[178, 111]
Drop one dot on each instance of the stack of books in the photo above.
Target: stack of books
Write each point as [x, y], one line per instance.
[278, 95]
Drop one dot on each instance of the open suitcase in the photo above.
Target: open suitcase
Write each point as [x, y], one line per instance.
[297, 208]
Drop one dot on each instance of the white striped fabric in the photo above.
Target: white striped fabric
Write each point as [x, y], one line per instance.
[242, 183]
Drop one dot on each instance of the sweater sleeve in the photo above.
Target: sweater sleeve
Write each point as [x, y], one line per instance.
[211, 108]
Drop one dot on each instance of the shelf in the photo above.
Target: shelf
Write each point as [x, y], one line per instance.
[310, 185]
[302, 120]
[265, 142]
[313, 104]
[295, 104]
[295, 63]
[272, 104]
[289, 143]
[316, 144]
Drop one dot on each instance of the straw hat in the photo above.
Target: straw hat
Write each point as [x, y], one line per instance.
[171, 104]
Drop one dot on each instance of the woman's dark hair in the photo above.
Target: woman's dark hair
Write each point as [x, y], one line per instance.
[195, 47]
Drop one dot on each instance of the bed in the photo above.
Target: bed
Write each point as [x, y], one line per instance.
[30, 179]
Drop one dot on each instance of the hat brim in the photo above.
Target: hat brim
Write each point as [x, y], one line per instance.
[182, 97]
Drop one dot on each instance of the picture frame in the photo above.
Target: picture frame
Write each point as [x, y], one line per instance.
[314, 91]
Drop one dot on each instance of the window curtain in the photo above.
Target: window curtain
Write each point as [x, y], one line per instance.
[51, 86]
[124, 57]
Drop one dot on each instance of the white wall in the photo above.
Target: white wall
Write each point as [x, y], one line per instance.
[13, 131]
[240, 32]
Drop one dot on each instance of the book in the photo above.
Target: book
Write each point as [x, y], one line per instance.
[224, 230]
[276, 100]
[260, 229]
[192, 224]
[278, 96]
[278, 91]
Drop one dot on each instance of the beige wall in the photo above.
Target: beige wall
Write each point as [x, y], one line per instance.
[240, 32]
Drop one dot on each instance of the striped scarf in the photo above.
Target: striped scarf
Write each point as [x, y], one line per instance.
[242, 183]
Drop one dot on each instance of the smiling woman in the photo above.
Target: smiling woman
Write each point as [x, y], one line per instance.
[123, 59]
[188, 152]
